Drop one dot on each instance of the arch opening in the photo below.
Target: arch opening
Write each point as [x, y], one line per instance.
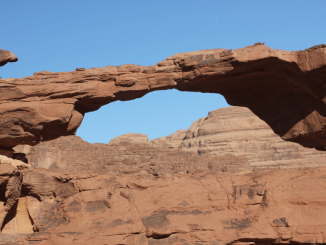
[157, 114]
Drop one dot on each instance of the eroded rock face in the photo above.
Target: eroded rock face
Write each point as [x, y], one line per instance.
[238, 131]
[130, 138]
[7, 56]
[71, 153]
[265, 207]
[285, 89]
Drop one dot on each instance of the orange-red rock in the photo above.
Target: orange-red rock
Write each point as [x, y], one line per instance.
[71, 153]
[277, 206]
[236, 130]
[7, 56]
[285, 89]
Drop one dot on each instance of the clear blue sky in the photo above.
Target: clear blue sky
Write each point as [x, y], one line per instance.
[63, 35]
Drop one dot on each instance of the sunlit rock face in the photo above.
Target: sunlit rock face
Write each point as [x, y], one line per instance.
[130, 138]
[64, 190]
[238, 131]
[285, 89]
[71, 153]
[82, 207]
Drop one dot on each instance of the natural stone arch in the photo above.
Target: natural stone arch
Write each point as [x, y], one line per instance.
[285, 89]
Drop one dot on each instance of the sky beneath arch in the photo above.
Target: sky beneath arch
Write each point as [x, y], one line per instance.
[63, 35]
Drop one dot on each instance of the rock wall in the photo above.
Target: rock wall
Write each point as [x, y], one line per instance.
[71, 153]
[285, 89]
[238, 131]
[261, 207]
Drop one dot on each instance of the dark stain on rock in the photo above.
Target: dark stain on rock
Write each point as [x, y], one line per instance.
[54, 222]
[208, 61]
[99, 205]
[74, 206]
[184, 203]
[117, 222]
[195, 212]
[46, 217]
[156, 220]
[113, 223]
[195, 57]
[236, 193]
[237, 224]
[281, 222]
[251, 193]
[264, 202]
[65, 190]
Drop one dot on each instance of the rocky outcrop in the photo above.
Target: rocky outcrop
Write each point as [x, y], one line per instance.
[130, 138]
[236, 130]
[262, 207]
[285, 89]
[71, 153]
[7, 56]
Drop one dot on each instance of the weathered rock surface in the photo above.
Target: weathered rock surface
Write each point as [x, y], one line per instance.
[260, 207]
[237, 131]
[7, 56]
[285, 89]
[130, 138]
[71, 153]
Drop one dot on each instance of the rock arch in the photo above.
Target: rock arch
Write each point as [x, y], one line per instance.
[285, 89]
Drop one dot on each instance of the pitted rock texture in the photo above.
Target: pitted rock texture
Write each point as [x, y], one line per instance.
[261, 207]
[71, 153]
[285, 89]
[237, 131]
[7, 56]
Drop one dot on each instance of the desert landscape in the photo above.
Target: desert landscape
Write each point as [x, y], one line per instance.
[252, 173]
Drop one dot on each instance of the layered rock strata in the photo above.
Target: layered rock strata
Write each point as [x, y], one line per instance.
[261, 207]
[69, 153]
[285, 89]
[130, 138]
[238, 131]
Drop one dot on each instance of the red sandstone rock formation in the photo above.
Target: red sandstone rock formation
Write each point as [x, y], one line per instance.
[236, 130]
[130, 138]
[138, 194]
[71, 153]
[285, 89]
[264, 207]
[7, 56]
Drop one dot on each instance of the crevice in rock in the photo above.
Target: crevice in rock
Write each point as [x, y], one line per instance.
[158, 236]
[20, 156]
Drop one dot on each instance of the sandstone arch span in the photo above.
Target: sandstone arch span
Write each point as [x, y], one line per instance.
[285, 89]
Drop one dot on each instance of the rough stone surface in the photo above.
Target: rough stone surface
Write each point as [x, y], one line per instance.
[236, 130]
[71, 153]
[262, 207]
[285, 89]
[7, 56]
[130, 138]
